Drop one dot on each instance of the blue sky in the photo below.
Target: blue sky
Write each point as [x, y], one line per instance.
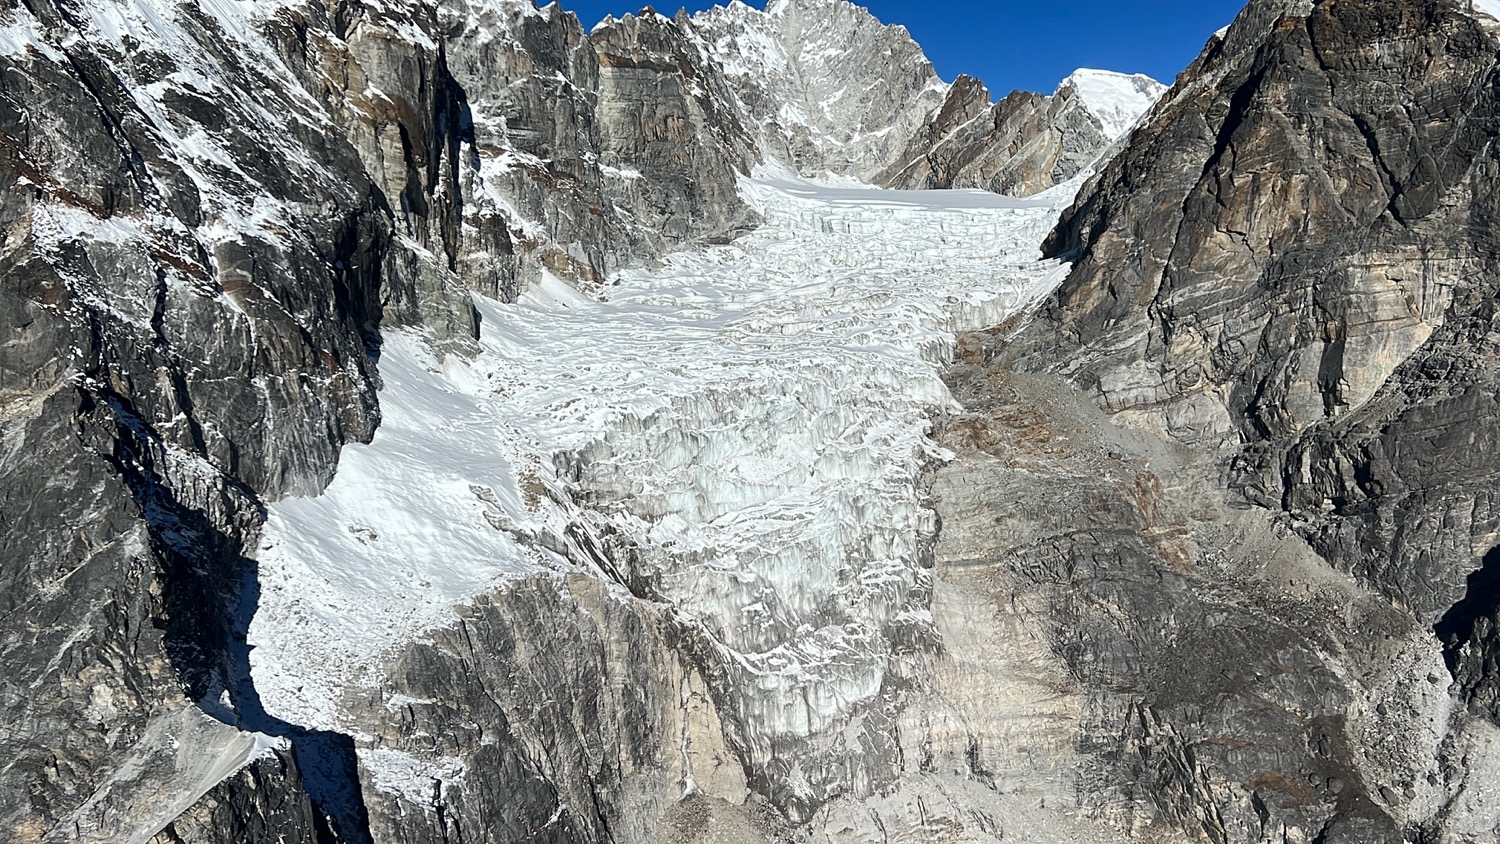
[1028, 44]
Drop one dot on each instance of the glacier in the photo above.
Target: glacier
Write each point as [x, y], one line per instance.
[708, 502]
[752, 419]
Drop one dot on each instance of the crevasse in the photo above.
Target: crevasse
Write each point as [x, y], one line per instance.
[751, 421]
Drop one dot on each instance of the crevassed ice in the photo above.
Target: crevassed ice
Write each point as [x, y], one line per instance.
[753, 418]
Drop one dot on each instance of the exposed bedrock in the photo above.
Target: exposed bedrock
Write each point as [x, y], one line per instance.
[1215, 558]
[561, 712]
[164, 357]
[1026, 142]
[1287, 279]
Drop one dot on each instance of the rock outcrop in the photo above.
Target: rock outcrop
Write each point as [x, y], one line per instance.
[1283, 300]
[671, 143]
[190, 306]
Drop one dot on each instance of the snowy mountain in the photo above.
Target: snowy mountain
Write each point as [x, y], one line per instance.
[244, 238]
[435, 422]
[813, 105]
[1116, 100]
[1026, 143]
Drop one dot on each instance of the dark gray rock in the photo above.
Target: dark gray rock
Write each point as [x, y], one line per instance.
[264, 802]
[172, 364]
[567, 709]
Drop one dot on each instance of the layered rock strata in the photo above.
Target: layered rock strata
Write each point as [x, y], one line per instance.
[1027, 142]
[1283, 303]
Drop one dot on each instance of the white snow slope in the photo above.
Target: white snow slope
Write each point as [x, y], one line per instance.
[1489, 7]
[755, 416]
[1119, 100]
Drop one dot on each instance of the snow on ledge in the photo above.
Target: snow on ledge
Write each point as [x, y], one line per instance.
[1489, 7]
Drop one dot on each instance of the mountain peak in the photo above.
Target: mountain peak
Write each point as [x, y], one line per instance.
[1117, 99]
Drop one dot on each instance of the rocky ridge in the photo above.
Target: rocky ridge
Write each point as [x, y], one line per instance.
[1282, 301]
[1027, 142]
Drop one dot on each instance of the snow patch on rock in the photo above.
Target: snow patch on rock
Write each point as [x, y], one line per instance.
[419, 781]
[1489, 7]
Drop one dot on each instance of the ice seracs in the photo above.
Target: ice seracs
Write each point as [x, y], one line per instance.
[751, 420]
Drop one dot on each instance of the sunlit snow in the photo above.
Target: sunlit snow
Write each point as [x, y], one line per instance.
[1117, 99]
[753, 416]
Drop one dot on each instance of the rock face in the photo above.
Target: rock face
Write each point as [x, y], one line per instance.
[559, 710]
[1284, 293]
[809, 105]
[262, 802]
[1026, 143]
[164, 244]
[671, 143]
[210, 212]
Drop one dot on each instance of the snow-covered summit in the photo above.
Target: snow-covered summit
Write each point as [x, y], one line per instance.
[1117, 99]
[823, 84]
[825, 88]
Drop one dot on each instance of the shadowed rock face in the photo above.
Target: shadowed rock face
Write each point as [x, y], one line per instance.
[163, 358]
[1288, 279]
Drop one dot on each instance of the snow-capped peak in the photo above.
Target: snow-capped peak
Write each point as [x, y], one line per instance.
[1117, 99]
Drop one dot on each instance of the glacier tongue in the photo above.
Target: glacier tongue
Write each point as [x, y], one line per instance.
[741, 432]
